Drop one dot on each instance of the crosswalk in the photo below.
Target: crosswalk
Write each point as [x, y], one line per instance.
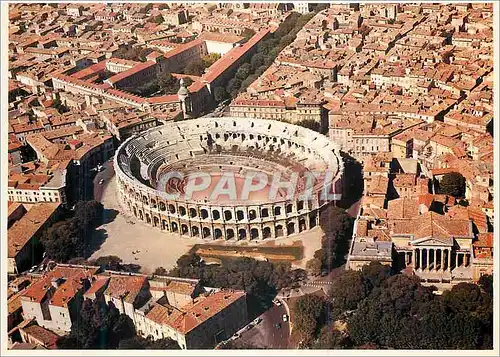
[318, 283]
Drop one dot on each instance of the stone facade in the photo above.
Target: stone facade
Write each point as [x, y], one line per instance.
[184, 146]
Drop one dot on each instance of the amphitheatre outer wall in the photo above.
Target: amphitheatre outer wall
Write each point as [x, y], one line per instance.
[225, 144]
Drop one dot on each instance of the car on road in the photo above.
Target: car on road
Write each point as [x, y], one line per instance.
[278, 325]
[277, 302]
[257, 320]
[285, 317]
[235, 336]
[249, 327]
[33, 268]
[101, 181]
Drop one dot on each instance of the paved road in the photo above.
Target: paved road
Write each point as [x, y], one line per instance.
[266, 334]
[106, 174]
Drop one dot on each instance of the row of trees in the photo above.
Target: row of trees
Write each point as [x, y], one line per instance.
[165, 84]
[257, 278]
[396, 311]
[72, 236]
[102, 326]
[337, 227]
[267, 51]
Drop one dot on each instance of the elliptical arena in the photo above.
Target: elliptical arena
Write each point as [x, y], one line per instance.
[218, 146]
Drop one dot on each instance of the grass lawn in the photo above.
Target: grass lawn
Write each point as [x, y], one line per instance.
[276, 253]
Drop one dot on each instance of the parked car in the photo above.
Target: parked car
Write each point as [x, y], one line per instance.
[33, 268]
[285, 318]
[257, 320]
[277, 302]
[101, 181]
[278, 325]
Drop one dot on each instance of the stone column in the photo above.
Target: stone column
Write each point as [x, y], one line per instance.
[442, 258]
[427, 265]
[435, 259]
[420, 259]
[456, 260]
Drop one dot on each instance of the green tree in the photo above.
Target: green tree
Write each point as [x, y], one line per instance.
[330, 338]
[195, 67]
[452, 184]
[347, 291]
[308, 316]
[243, 72]
[314, 266]
[220, 94]
[98, 326]
[247, 34]
[310, 124]
[168, 83]
[337, 227]
[210, 59]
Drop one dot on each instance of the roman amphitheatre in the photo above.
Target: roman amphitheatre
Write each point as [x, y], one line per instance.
[218, 146]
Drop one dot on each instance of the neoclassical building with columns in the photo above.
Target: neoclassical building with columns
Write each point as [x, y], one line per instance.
[222, 146]
[438, 248]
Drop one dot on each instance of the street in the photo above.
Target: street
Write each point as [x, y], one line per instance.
[106, 174]
[266, 334]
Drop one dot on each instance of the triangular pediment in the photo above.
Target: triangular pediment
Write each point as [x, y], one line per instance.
[432, 241]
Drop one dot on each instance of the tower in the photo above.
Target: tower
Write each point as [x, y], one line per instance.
[185, 99]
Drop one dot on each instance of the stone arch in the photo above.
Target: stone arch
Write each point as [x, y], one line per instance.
[145, 200]
[240, 215]
[242, 233]
[289, 208]
[278, 231]
[174, 226]
[164, 224]
[206, 232]
[217, 233]
[290, 228]
[135, 211]
[153, 203]
[171, 208]
[229, 233]
[204, 213]
[184, 229]
[215, 215]
[300, 205]
[302, 225]
[252, 214]
[228, 215]
[195, 231]
[182, 210]
[254, 233]
[277, 211]
[192, 213]
[161, 205]
[264, 212]
[266, 233]
[141, 215]
[312, 221]
[156, 221]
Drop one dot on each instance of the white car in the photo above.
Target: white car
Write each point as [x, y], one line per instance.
[101, 181]
[33, 268]
[277, 302]
[285, 318]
